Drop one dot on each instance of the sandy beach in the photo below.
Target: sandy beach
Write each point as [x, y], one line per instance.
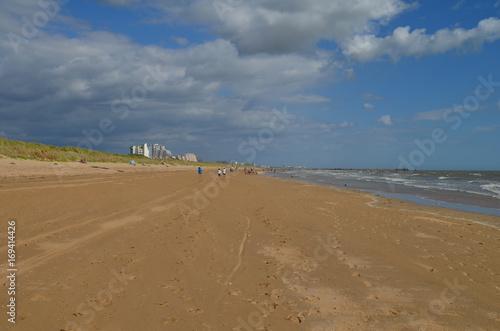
[117, 247]
[31, 169]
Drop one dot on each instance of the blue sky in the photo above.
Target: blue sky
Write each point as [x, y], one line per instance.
[325, 83]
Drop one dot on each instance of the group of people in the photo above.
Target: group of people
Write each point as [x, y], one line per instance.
[220, 172]
[249, 171]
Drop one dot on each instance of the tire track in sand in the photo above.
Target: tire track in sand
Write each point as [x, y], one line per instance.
[113, 222]
[235, 270]
[240, 252]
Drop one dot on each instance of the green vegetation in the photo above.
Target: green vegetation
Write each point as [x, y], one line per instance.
[35, 151]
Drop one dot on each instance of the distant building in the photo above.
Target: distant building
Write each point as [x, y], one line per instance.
[160, 152]
[140, 150]
[191, 157]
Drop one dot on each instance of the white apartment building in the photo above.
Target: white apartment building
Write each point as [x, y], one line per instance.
[140, 150]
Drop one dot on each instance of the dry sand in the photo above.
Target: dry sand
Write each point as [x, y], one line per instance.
[18, 168]
[172, 250]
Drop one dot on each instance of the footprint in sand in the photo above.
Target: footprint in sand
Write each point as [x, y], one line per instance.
[294, 319]
[170, 320]
[311, 298]
[195, 311]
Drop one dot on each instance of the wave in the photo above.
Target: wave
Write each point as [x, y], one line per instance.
[495, 188]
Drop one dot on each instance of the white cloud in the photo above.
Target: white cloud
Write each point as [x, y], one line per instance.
[181, 41]
[386, 119]
[52, 76]
[368, 106]
[369, 96]
[305, 99]
[309, 127]
[118, 3]
[458, 5]
[438, 114]
[432, 115]
[277, 27]
[487, 128]
[213, 93]
[347, 124]
[402, 42]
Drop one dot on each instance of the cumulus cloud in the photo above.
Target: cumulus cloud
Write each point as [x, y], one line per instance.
[366, 47]
[58, 89]
[67, 77]
[386, 120]
[277, 27]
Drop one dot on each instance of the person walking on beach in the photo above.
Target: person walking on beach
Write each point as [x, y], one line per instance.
[218, 172]
[224, 171]
[200, 170]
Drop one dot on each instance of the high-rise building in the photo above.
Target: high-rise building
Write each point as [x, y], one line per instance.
[191, 157]
[140, 150]
[160, 152]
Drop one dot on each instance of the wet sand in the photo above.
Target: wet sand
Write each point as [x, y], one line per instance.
[172, 250]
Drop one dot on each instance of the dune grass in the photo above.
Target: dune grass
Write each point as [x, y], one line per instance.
[36, 151]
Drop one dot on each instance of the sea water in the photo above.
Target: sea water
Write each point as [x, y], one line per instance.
[472, 191]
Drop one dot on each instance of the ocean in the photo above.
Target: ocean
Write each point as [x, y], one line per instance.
[472, 191]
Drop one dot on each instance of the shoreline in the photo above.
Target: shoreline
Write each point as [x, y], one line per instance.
[414, 196]
[416, 199]
[384, 200]
[177, 250]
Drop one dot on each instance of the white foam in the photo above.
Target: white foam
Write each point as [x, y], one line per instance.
[495, 188]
